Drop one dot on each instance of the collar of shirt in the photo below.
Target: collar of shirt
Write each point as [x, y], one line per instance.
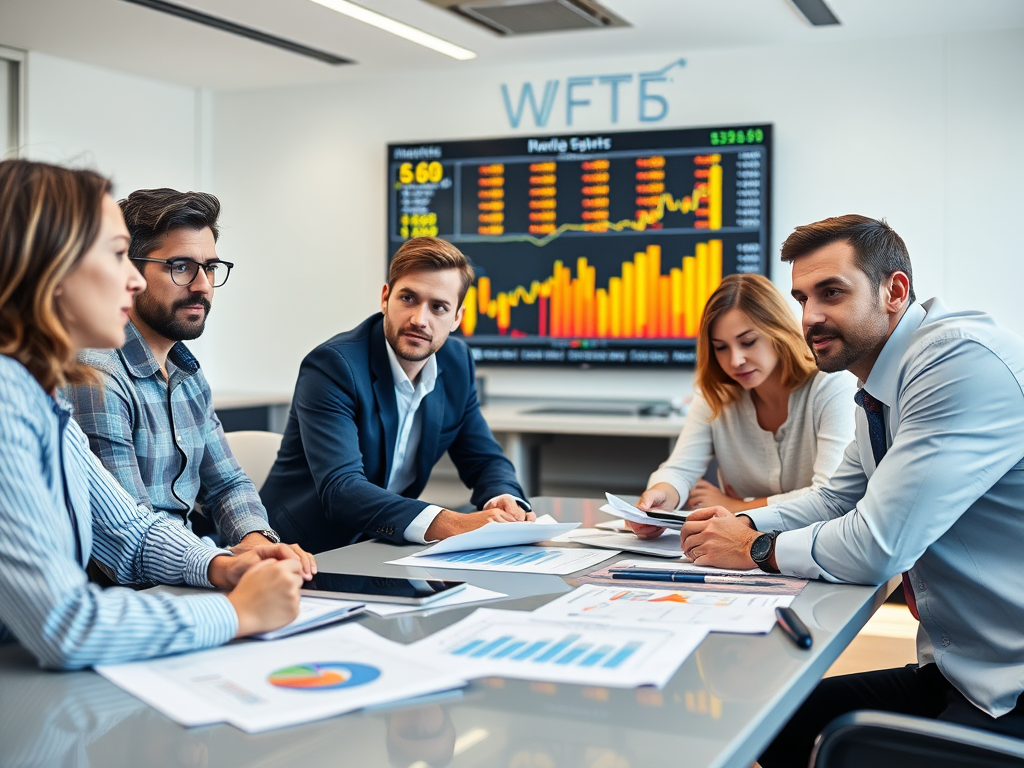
[428, 376]
[140, 362]
[882, 382]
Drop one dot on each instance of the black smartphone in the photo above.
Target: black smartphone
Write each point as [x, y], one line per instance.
[379, 589]
[672, 517]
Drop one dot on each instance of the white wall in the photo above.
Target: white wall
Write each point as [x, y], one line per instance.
[141, 132]
[917, 130]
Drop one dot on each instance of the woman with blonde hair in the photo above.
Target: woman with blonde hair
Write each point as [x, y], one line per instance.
[776, 425]
[66, 284]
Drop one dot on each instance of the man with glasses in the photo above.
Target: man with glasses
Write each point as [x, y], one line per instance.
[151, 421]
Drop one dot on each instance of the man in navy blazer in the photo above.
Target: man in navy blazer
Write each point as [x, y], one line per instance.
[377, 406]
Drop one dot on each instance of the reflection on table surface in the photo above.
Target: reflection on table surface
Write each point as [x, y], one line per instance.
[702, 718]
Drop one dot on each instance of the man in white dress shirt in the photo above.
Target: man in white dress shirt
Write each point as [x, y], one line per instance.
[932, 487]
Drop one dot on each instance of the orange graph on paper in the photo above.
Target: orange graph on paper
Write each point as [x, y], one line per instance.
[639, 303]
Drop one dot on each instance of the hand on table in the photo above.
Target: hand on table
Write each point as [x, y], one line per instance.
[510, 508]
[267, 596]
[715, 536]
[449, 523]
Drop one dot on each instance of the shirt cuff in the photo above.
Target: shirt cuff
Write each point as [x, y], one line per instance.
[196, 570]
[765, 519]
[242, 526]
[214, 619]
[793, 553]
[416, 531]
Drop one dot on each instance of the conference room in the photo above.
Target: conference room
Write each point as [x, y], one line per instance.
[608, 169]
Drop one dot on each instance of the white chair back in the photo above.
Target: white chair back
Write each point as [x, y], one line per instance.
[255, 451]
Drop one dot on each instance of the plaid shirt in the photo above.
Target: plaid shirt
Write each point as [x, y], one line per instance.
[161, 438]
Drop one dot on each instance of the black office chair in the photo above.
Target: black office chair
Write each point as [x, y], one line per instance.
[870, 739]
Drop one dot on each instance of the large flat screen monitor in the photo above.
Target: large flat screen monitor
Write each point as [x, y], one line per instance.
[589, 249]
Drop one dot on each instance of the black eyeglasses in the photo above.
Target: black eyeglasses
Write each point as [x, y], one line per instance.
[185, 271]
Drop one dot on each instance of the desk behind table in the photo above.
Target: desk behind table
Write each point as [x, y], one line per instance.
[721, 708]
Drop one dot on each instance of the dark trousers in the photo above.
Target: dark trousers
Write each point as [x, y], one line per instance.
[910, 690]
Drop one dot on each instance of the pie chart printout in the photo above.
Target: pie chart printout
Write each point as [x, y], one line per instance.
[324, 676]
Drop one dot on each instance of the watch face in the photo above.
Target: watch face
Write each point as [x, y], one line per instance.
[761, 547]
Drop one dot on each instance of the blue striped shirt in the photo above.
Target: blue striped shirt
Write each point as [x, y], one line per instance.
[58, 508]
[161, 438]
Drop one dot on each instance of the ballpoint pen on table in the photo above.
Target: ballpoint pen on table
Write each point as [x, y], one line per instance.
[795, 629]
[690, 578]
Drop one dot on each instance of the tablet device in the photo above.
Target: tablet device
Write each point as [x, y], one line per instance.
[379, 589]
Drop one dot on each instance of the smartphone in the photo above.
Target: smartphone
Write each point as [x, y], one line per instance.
[379, 589]
[672, 517]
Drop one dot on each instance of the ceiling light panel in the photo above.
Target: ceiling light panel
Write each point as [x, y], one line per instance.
[398, 28]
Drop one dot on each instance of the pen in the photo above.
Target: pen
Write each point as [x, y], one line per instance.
[691, 578]
[793, 627]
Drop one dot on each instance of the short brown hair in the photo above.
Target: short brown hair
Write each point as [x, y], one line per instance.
[49, 218]
[152, 213]
[878, 250]
[758, 298]
[430, 253]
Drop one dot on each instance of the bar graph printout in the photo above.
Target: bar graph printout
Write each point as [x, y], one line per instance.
[526, 559]
[627, 606]
[522, 645]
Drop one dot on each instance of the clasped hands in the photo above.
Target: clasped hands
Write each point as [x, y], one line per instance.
[710, 536]
[264, 580]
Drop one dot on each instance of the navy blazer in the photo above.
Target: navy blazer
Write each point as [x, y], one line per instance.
[328, 485]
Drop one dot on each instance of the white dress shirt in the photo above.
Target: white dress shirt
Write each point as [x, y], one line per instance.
[410, 429]
[802, 453]
[946, 502]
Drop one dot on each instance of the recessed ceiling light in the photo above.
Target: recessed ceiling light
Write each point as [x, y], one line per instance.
[388, 24]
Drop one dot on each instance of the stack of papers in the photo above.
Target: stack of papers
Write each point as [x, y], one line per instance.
[666, 545]
[260, 686]
[533, 647]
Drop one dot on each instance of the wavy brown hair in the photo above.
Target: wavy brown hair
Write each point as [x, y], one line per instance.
[49, 217]
[759, 299]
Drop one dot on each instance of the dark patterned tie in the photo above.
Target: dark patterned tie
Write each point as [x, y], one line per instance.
[876, 430]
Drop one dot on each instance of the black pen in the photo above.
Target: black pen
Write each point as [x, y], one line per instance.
[793, 627]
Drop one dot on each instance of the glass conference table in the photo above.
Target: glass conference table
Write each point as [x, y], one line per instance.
[721, 708]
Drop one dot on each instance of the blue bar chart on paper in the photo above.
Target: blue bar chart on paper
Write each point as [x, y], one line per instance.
[522, 559]
[514, 644]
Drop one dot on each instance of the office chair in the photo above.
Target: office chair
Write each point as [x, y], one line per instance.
[885, 740]
[256, 452]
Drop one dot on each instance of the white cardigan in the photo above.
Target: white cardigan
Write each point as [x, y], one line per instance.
[800, 456]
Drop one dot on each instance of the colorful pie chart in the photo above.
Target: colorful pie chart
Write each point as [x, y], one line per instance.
[324, 676]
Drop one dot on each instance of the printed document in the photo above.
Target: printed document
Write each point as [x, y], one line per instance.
[556, 560]
[260, 686]
[627, 511]
[716, 611]
[666, 545]
[530, 647]
[499, 535]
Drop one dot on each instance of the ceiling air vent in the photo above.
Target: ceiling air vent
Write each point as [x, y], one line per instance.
[527, 17]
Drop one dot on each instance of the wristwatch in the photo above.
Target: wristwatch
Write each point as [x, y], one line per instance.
[762, 549]
[269, 534]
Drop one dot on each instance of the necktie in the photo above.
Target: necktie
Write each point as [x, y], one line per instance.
[876, 430]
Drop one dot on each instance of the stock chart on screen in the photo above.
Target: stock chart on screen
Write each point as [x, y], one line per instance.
[589, 249]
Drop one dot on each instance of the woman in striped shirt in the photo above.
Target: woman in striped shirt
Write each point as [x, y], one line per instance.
[66, 284]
